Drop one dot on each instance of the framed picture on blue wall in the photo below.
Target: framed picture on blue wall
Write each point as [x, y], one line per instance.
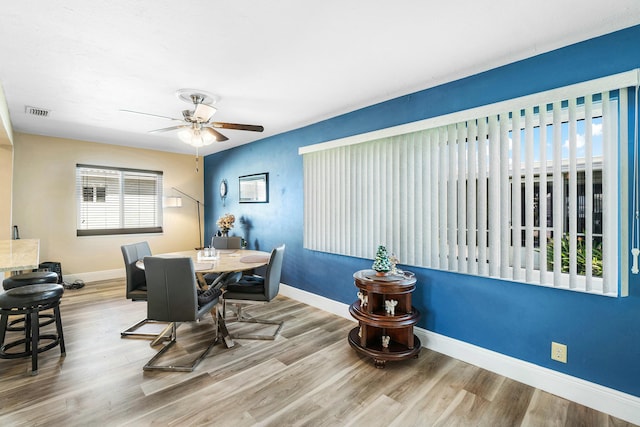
[254, 188]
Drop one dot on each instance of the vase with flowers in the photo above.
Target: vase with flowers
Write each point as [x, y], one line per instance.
[225, 223]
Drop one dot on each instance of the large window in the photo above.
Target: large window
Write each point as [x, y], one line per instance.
[118, 201]
[528, 190]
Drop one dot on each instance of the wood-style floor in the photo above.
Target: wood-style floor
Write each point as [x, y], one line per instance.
[308, 376]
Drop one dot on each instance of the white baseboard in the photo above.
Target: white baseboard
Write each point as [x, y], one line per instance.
[603, 399]
[314, 300]
[95, 276]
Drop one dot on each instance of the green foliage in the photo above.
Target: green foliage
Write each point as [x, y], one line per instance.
[381, 263]
[581, 258]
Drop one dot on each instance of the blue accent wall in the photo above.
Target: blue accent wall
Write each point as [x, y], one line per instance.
[602, 333]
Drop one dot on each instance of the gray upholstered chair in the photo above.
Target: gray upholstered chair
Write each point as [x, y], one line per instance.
[172, 296]
[136, 284]
[223, 242]
[255, 290]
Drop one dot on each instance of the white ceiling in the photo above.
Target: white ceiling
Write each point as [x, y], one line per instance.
[282, 64]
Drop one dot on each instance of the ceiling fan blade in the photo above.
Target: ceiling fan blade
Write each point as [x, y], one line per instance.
[217, 135]
[169, 128]
[203, 112]
[237, 126]
[152, 115]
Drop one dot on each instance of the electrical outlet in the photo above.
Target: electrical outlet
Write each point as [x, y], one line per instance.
[559, 352]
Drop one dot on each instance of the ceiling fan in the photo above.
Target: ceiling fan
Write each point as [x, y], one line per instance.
[197, 129]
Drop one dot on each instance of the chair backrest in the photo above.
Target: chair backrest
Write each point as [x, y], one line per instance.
[134, 276]
[222, 242]
[171, 289]
[274, 270]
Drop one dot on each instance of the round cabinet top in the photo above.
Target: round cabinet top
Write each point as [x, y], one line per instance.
[398, 283]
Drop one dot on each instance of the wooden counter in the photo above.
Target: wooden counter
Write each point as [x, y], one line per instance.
[21, 254]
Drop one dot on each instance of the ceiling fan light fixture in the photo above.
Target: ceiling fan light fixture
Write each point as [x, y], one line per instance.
[197, 129]
[195, 137]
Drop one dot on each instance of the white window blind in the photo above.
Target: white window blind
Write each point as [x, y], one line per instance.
[528, 194]
[118, 201]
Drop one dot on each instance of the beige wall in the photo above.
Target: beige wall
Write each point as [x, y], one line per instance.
[6, 168]
[44, 205]
[6, 133]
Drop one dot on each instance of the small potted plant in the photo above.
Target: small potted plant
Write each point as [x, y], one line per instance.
[381, 264]
[225, 223]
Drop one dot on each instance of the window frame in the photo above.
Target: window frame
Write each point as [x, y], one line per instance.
[393, 225]
[100, 194]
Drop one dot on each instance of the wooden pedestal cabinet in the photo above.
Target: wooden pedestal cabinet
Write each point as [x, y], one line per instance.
[385, 316]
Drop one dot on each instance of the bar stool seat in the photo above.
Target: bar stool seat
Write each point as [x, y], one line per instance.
[29, 300]
[31, 278]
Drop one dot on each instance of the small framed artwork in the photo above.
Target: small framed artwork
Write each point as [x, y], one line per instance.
[254, 188]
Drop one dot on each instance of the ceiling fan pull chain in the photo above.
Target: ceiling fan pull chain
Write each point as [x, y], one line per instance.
[196, 159]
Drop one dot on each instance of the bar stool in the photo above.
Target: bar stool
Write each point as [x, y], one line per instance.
[29, 300]
[31, 278]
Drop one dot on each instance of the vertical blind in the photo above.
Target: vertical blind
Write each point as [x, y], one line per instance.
[118, 201]
[528, 194]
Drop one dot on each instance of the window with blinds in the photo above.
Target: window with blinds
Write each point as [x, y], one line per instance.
[118, 201]
[528, 190]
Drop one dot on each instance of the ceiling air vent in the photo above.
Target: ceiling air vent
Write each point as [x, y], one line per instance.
[35, 111]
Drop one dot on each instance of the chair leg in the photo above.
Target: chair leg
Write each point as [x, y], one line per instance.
[162, 335]
[35, 332]
[27, 333]
[56, 313]
[244, 318]
[130, 332]
[151, 366]
[259, 336]
[3, 329]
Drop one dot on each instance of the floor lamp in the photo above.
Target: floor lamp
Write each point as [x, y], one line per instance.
[198, 203]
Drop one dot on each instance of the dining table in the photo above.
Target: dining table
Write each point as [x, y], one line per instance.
[224, 262]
